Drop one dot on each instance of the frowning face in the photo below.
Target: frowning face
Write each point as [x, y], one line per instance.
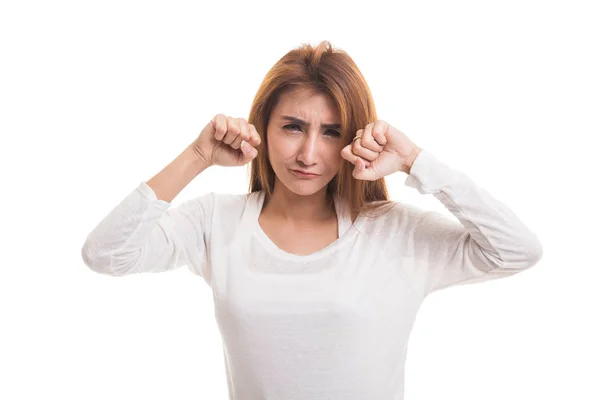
[304, 135]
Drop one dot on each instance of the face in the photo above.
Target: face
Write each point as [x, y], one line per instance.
[304, 133]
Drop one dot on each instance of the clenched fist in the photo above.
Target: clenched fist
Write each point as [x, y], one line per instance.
[227, 141]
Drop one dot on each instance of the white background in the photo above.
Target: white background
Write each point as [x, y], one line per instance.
[97, 96]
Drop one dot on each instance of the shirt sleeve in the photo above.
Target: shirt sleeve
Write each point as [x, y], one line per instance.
[145, 234]
[487, 242]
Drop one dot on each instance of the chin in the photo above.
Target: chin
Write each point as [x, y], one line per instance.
[306, 187]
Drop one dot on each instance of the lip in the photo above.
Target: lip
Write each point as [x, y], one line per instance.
[304, 175]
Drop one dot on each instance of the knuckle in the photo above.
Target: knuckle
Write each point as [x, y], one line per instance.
[233, 127]
[244, 128]
[254, 133]
[221, 124]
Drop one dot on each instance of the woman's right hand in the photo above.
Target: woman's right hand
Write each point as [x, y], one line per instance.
[220, 142]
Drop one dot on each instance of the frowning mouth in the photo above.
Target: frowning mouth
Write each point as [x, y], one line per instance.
[304, 174]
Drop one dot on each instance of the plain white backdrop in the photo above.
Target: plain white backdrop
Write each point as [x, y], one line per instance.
[97, 96]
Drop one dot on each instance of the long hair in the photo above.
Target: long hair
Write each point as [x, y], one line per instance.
[321, 69]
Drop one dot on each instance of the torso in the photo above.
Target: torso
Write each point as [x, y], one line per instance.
[300, 240]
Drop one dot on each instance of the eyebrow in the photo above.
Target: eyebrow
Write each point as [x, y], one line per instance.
[304, 123]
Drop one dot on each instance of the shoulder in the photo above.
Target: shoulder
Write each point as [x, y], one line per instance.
[390, 218]
[220, 214]
[222, 203]
[230, 200]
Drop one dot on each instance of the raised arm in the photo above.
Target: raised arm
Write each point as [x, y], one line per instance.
[143, 233]
[487, 241]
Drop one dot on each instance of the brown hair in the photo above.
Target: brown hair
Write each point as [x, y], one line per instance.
[321, 69]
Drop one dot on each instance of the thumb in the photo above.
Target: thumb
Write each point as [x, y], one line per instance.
[358, 168]
[248, 152]
[361, 171]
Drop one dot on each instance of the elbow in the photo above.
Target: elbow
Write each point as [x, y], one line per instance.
[95, 263]
[536, 253]
[88, 259]
[102, 264]
[529, 256]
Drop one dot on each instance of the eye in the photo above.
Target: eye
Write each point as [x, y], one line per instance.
[297, 127]
[290, 126]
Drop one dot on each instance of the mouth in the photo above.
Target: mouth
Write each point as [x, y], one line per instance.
[304, 174]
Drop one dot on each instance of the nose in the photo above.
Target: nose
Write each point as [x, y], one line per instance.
[308, 149]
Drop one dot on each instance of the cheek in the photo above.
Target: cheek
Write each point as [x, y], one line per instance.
[274, 148]
[281, 148]
[277, 152]
[335, 164]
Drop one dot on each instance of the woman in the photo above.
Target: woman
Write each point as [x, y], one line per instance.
[317, 276]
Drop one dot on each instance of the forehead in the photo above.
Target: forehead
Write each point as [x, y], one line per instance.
[308, 105]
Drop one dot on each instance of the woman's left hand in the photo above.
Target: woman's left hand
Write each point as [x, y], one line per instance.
[381, 150]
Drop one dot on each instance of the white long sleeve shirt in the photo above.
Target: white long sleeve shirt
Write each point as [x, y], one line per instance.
[333, 324]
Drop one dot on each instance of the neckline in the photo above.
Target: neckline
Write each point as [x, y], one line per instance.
[346, 231]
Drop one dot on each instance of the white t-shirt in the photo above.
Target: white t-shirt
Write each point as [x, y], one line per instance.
[333, 324]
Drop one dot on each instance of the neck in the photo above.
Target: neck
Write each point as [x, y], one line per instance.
[295, 208]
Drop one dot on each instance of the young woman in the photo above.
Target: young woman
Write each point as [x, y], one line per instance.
[317, 276]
